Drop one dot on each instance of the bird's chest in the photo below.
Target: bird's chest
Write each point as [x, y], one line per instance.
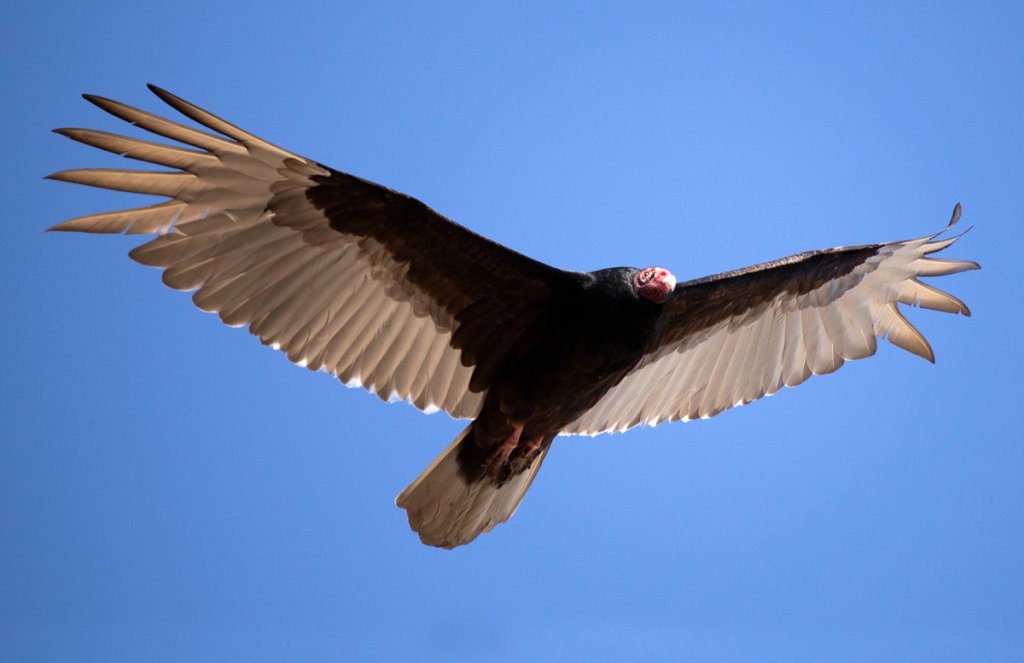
[584, 353]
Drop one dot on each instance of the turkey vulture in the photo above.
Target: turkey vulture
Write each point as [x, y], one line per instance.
[373, 286]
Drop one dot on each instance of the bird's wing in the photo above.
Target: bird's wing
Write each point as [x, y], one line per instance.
[729, 339]
[340, 273]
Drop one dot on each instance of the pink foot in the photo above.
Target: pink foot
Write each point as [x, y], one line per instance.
[507, 446]
[527, 453]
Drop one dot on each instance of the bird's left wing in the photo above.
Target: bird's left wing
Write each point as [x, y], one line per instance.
[732, 338]
[339, 273]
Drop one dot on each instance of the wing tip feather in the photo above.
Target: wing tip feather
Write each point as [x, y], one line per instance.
[65, 227]
[103, 103]
[907, 336]
[165, 96]
[63, 176]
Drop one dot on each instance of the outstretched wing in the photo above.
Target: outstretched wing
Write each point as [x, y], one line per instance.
[339, 273]
[729, 339]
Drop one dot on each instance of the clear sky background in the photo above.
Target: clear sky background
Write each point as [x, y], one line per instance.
[171, 490]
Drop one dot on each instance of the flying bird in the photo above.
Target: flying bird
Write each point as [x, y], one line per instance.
[371, 285]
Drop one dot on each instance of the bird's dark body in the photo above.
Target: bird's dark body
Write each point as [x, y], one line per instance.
[545, 351]
[591, 336]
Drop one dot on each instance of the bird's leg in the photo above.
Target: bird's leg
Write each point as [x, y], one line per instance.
[486, 452]
[498, 452]
[525, 454]
[507, 446]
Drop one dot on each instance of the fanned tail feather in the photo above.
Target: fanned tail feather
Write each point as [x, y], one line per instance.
[448, 511]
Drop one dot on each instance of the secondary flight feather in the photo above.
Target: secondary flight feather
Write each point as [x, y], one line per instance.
[373, 286]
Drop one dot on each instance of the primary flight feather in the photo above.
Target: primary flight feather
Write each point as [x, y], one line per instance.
[376, 288]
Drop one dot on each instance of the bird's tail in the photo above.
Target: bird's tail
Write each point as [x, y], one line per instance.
[448, 510]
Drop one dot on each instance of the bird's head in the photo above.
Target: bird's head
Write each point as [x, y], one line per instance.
[654, 284]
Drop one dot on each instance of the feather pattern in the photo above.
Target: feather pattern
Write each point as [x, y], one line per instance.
[782, 323]
[338, 281]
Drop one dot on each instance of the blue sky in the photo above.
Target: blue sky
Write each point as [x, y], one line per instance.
[171, 490]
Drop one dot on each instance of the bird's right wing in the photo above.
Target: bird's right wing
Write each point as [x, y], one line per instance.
[732, 338]
[339, 273]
